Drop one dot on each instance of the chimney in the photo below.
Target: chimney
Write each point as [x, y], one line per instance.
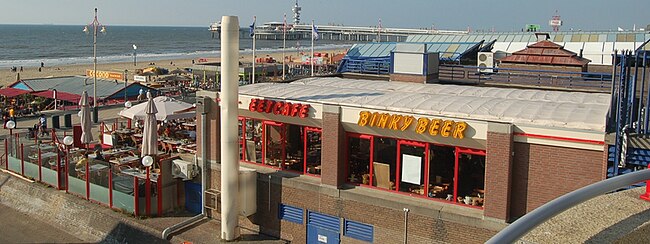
[410, 62]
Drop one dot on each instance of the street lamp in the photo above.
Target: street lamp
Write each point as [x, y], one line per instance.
[134, 55]
[67, 141]
[95, 24]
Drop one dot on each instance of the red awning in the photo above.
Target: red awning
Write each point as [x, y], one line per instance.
[12, 92]
[69, 97]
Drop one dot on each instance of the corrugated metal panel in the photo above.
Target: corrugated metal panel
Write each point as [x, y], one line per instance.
[359, 231]
[324, 221]
[291, 214]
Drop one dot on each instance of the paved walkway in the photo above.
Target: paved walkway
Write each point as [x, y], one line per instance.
[18, 227]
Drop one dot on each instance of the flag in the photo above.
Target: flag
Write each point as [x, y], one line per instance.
[314, 32]
[252, 28]
[620, 29]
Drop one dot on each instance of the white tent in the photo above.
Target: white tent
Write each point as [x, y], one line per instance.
[168, 109]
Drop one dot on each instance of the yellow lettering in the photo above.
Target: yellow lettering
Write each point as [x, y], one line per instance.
[383, 119]
[394, 119]
[422, 125]
[408, 120]
[459, 130]
[445, 131]
[435, 127]
[363, 118]
[374, 118]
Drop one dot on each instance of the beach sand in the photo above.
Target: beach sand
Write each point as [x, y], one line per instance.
[7, 77]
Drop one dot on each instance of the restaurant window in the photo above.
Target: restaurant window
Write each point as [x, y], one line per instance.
[444, 173]
[441, 172]
[412, 161]
[253, 143]
[359, 159]
[312, 150]
[384, 165]
[274, 142]
[294, 148]
[286, 146]
[471, 177]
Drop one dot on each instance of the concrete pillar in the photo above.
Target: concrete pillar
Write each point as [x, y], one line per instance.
[332, 154]
[498, 170]
[229, 128]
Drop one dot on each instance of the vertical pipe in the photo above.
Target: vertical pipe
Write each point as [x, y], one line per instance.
[147, 195]
[110, 184]
[406, 224]
[229, 130]
[87, 181]
[6, 154]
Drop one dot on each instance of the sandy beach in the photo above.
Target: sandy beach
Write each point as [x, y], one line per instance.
[7, 77]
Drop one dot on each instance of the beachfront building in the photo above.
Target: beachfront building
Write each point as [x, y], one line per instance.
[379, 161]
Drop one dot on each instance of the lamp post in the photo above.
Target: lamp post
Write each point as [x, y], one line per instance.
[134, 55]
[11, 125]
[147, 161]
[95, 24]
[126, 80]
[67, 141]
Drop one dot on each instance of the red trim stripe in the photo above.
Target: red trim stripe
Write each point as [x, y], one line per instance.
[559, 138]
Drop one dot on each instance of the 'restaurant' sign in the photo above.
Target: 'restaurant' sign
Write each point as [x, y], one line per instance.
[279, 108]
[444, 128]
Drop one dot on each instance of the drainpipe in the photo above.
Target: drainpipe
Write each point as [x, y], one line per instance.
[202, 107]
[229, 135]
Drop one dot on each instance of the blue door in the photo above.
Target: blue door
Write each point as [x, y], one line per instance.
[323, 229]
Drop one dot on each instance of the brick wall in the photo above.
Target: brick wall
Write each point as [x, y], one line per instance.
[542, 173]
[497, 175]
[388, 222]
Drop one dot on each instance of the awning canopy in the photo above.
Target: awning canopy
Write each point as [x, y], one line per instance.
[168, 109]
[64, 96]
[12, 92]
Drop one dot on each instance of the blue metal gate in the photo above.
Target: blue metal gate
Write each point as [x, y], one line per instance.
[323, 228]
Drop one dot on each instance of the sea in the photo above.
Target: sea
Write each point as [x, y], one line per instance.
[54, 45]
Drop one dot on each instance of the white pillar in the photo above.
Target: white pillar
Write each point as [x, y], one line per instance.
[229, 135]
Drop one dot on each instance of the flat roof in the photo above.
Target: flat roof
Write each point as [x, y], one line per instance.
[559, 109]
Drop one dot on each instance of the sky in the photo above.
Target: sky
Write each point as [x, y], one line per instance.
[502, 15]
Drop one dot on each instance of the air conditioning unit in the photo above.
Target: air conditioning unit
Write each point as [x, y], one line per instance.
[485, 62]
[183, 169]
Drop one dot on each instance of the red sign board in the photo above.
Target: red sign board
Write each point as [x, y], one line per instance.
[279, 108]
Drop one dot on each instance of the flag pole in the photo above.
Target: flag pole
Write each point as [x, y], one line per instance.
[253, 33]
[284, 43]
[311, 58]
[379, 31]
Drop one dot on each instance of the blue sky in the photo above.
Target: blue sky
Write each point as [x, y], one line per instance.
[503, 15]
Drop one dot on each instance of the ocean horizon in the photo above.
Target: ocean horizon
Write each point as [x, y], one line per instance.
[56, 45]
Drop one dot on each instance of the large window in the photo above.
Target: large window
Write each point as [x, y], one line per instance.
[444, 173]
[280, 145]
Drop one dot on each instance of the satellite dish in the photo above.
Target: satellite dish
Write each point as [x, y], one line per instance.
[147, 161]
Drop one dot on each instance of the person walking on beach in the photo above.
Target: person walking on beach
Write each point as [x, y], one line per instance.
[21, 68]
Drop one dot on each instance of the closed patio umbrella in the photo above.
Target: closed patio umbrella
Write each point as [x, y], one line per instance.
[150, 134]
[86, 124]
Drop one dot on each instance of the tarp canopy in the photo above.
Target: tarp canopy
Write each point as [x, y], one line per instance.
[12, 92]
[168, 109]
[64, 96]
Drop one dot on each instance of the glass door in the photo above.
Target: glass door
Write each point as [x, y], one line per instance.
[312, 150]
[412, 164]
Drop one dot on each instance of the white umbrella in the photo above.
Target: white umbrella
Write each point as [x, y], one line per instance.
[168, 109]
[150, 134]
[86, 124]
